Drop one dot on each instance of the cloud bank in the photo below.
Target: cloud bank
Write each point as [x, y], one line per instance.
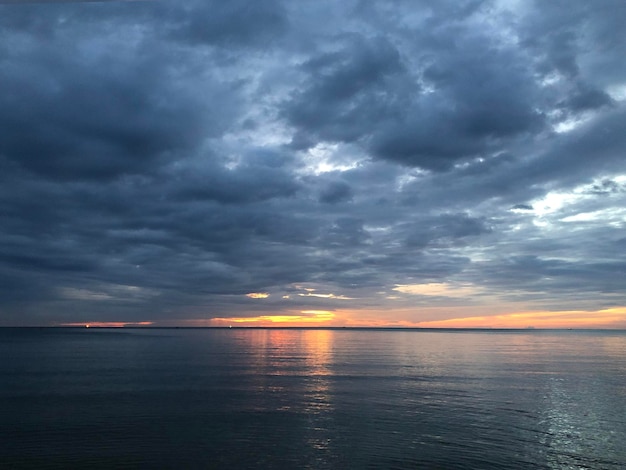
[179, 161]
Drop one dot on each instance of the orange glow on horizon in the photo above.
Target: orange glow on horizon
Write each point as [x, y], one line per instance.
[108, 324]
[607, 318]
[467, 318]
[307, 318]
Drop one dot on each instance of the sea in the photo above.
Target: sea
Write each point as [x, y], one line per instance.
[248, 398]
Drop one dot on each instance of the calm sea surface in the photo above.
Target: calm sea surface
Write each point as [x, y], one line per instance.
[309, 399]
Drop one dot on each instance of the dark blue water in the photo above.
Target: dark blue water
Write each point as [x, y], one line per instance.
[297, 399]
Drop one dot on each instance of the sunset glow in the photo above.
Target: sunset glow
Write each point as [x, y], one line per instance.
[313, 234]
[308, 318]
[614, 318]
[609, 318]
[108, 324]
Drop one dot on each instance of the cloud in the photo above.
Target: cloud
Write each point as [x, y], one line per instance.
[165, 161]
[436, 289]
[346, 91]
[258, 295]
[238, 23]
[326, 296]
[336, 192]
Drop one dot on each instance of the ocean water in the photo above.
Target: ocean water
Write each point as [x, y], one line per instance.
[312, 399]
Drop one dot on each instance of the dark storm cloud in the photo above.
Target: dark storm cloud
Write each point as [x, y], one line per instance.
[585, 98]
[445, 230]
[335, 192]
[347, 91]
[239, 22]
[468, 96]
[64, 1]
[475, 107]
[80, 110]
[220, 184]
[160, 160]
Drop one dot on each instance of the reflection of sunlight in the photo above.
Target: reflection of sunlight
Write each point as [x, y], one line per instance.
[574, 424]
[563, 432]
[292, 373]
[318, 345]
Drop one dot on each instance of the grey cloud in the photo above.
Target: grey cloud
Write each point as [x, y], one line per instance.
[347, 90]
[445, 230]
[545, 277]
[336, 192]
[243, 185]
[66, 119]
[345, 231]
[608, 186]
[160, 160]
[476, 107]
[234, 23]
[462, 103]
[586, 98]
[66, 1]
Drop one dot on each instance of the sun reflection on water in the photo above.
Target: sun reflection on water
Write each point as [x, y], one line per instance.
[290, 363]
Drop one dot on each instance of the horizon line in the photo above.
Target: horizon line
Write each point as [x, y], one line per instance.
[284, 327]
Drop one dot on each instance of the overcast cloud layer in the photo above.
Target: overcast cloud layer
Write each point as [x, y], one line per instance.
[160, 160]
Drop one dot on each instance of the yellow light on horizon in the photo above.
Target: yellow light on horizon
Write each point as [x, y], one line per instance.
[308, 317]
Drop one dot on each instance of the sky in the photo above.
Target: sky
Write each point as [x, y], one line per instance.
[458, 163]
